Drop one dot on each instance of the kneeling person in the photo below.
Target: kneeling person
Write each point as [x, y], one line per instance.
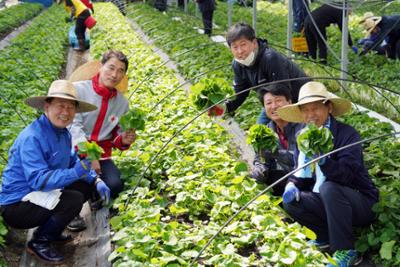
[43, 184]
[281, 162]
[338, 194]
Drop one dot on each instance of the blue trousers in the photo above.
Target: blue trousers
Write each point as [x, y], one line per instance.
[111, 176]
[332, 213]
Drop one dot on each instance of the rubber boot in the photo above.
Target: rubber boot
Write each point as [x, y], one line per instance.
[40, 244]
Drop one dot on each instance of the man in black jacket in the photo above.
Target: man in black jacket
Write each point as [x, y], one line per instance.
[323, 16]
[255, 63]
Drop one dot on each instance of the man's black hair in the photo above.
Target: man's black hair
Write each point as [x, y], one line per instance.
[277, 89]
[240, 30]
[118, 55]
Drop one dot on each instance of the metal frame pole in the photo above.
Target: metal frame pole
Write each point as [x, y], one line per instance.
[255, 15]
[230, 9]
[289, 28]
[345, 39]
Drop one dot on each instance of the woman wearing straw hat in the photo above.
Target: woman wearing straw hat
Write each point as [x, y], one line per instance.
[102, 84]
[42, 184]
[338, 194]
[383, 28]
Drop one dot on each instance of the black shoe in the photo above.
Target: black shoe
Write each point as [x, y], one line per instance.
[43, 251]
[59, 239]
[77, 224]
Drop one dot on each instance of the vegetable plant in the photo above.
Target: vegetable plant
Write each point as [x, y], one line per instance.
[262, 137]
[208, 92]
[90, 149]
[134, 119]
[313, 140]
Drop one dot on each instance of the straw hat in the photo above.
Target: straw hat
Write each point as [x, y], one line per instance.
[60, 89]
[369, 21]
[90, 69]
[312, 92]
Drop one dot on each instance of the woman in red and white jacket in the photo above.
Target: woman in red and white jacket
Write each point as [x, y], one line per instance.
[102, 125]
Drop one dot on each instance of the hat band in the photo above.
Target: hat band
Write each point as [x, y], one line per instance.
[60, 93]
[309, 96]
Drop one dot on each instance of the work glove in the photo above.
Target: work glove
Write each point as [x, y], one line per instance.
[103, 191]
[355, 49]
[90, 177]
[82, 167]
[363, 41]
[291, 193]
[258, 172]
[216, 111]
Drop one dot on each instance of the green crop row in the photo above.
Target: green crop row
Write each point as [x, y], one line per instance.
[14, 16]
[27, 67]
[194, 185]
[384, 171]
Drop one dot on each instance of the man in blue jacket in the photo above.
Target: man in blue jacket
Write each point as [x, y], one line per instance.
[268, 166]
[43, 184]
[254, 64]
[338, 193]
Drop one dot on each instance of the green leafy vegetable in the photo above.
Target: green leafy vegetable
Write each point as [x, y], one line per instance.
[313, 140]
[91, 149]
[208, 92]
[262, 137]
[134, 119]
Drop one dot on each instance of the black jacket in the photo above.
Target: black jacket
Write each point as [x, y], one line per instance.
[269, 66]
[326, 15]
[345, 167]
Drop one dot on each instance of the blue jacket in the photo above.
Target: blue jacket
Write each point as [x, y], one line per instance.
[345, 167]
[39, 160]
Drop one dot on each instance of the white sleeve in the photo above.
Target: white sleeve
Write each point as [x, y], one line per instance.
[76, 129]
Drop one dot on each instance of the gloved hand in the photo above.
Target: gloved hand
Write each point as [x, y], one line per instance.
[216, 111]
[291, 193]
[103, 191]
[90, 177]
[355, 49]
[258, 171]
[362, 41]
[82, 167]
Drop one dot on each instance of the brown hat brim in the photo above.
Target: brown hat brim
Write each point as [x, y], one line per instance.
[89, 69]
[39, 101]
[292, 113]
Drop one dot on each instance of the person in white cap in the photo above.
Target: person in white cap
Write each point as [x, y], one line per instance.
[383, 29]
[339, 193]
[43, 184]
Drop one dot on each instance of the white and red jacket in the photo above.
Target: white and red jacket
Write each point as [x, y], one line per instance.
[100, 125]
